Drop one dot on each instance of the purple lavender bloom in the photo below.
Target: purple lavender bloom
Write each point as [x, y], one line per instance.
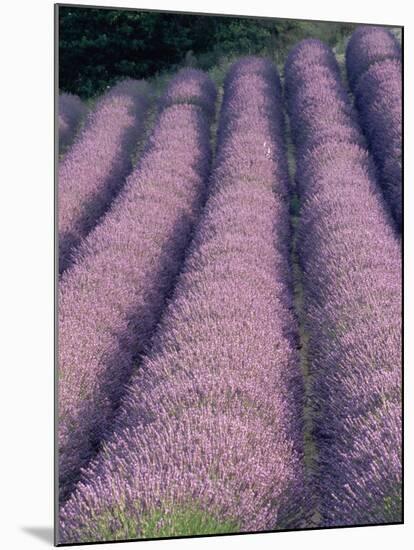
[308, 55]
[191, 86]
[93, 170]
[375, 74]
[71, 112]
[351, 261]
[369, 45]
[314, 89]
[212, 419]
[113, 295]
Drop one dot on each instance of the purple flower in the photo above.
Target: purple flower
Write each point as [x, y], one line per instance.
[351, 261]
[112, 296]
[212, 417]
[374, 71]
[366, 46]
[191, 86]
[71, 112]
[94, 169]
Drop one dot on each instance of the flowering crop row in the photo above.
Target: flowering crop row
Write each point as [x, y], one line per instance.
[210, 426]
[366, 46]
[352, 280]
[374, 69]
[191, 86]
[111, 298]
[71, 112]
[95, 167]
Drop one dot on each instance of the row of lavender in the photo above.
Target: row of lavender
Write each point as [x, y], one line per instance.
[71, 111]
[94, 168]
[108, 321]
[113, 294]
[211, 423]
[373, 61]
[351, 263]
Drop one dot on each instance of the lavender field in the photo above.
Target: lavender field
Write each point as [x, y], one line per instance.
[230, 298]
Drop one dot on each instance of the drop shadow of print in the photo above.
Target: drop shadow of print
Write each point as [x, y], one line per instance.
[42, 533]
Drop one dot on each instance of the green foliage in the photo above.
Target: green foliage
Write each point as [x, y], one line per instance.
[120, 523]
[245, 36]
[392, 506]
[184, 521]
[97, 47]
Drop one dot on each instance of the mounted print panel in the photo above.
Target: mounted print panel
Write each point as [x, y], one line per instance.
[229, 274]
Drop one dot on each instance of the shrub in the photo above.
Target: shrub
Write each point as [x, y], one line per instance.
[374, 71]
[351, 262]
[94, 169]
[71, 112]
[112, 297]
[212, 417]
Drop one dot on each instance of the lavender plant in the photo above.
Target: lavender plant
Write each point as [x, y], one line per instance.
[366, 46]
[374, 71]
[351, 265]
[112, 297]
[208, 438]
[94, 169]
[191, 86]
[71, 112]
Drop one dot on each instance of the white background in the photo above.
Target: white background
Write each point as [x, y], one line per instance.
[26, 256]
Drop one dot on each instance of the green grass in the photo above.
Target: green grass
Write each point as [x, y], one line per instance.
[122, 523]
[393, 507]
[185, 521]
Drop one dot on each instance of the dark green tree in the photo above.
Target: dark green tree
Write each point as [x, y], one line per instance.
[99, 46]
